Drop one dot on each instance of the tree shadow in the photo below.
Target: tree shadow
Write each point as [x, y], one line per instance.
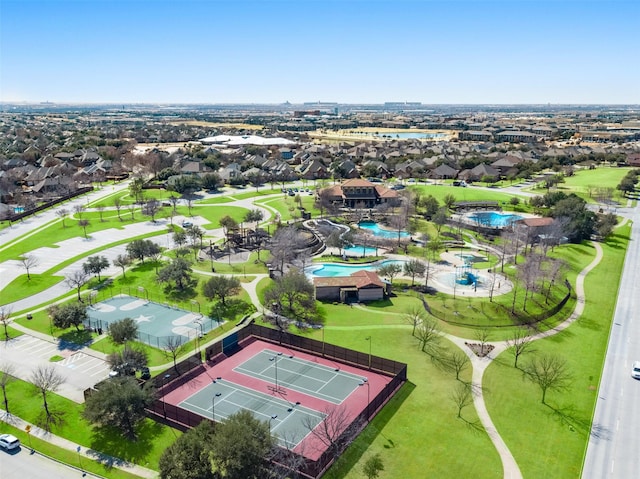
[53, 420]
[74, 340]
[569, 416]
[111, 448]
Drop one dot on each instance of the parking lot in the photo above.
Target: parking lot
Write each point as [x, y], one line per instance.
[81, 369]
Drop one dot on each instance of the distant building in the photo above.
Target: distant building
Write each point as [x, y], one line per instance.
[359, 287]
[359, 193]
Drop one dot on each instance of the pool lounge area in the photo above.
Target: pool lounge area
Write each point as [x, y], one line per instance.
[327, 270]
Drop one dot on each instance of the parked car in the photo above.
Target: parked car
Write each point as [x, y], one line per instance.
[9, 442]
[187, 224]
[635, 370]
[145, 373]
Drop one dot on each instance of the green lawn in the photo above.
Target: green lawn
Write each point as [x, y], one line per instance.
[566, 420]
[585, 183]
[463, 194]
[214, 214]
[22, 287]
[153, 438]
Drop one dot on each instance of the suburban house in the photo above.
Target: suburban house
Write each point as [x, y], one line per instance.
[359, 287]
[359, 193]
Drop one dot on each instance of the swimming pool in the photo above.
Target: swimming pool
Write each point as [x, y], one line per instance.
[358, 249]
[493, 219]
[374, 228]
[326, 270]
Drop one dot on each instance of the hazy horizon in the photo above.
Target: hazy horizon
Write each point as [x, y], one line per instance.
[196, 52]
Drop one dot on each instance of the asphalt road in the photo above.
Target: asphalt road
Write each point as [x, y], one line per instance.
[614, 446]
[23, 465]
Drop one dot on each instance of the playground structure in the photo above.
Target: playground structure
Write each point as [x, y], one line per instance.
[465, 275]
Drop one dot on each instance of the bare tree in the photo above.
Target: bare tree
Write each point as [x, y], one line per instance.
[520, 342]
[549, 373]
[173, 199]
[5, 316]
[415, 316]
[482, 336]
[285, 246]
[429, 336]
[151, 208]
[83, 224]
[336, 431]
[530, 274]
[555, 268]
[458, 361]
[47, 379]
[79, 210]
[7, 374]
[173, 347]
[77, 280]
[462, 396]
[62, 213]
[100, 209]
[29, 261]
[117, 203]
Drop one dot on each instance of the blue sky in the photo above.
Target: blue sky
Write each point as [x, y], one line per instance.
[350, 51]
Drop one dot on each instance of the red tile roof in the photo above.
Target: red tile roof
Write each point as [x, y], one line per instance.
[360, 279]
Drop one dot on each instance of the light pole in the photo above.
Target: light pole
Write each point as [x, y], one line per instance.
[213, 404]
[365, 382]
[275, 360]
[368, 338]
[164, 403]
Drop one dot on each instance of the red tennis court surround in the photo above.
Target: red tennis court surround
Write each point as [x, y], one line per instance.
[255, 366]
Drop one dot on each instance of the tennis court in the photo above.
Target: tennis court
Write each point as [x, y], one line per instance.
[318, 380]
[155, 321]
[289, 422]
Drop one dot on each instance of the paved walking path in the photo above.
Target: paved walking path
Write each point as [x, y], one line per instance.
[71, 446]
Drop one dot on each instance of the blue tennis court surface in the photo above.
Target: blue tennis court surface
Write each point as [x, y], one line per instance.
[300, 375]
[289, 422]
[155, 321]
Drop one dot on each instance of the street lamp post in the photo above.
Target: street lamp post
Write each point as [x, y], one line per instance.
[213, 404]
[365, 382]
[164, 403]
[368, 338]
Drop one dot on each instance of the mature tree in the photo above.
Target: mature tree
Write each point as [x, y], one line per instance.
[549, 372]
[7, 375]
[449, 200]
[440, 218]
[127, 361]
[229, 461]
[173, 346]
[462, 396]
[84, 224]
[228, 224]
[428, 333]
[605, 224]
[62, 213]
[179, 238]
[47, 380]
[457, 361]
[141, 249]
[285, 246]
[211, 181]
[430, 205]
[173, 199]
[95, 265]
[390, 270]
[29, 261]
[179, 272]
[373, 466]
[188, 456]
[413, 268]
[482, 336]
[122, 261]
[221, 287]
[77, 279]
[123, 331]
[336, 240]
[67, 315]
[136, 188]
[324, 201]
[520, 342]
[151, 209]
[336, 431]
[415, 315]
[295, 295]
[255, 216]
[120, 403]
[5, 319]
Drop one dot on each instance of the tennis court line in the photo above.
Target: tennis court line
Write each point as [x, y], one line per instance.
[270, 354]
